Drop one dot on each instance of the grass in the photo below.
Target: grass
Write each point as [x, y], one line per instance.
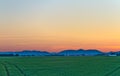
[59, 66]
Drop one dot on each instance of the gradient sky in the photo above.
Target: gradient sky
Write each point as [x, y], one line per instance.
[54, 25]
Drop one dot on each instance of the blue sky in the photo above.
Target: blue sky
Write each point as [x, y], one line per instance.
[59, 24]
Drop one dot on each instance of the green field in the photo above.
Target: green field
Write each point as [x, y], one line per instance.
[59, 66]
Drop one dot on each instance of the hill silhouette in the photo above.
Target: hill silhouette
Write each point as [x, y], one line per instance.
[79, 52]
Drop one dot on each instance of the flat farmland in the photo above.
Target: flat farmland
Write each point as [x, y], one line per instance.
[60, 66]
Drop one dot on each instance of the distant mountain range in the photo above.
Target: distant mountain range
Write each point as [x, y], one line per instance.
[80, 52]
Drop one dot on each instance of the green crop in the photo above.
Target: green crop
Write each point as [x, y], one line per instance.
[60, 66]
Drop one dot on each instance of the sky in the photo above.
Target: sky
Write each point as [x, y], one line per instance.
[54, 25]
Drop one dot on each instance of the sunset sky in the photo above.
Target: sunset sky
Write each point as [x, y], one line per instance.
[54, 25]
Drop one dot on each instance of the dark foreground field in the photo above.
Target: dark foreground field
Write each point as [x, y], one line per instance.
[59, 66]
